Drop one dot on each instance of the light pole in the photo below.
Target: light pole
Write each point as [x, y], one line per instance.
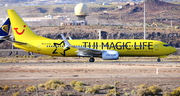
[144, 20]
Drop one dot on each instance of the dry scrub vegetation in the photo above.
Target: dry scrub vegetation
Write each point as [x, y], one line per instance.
[56, 87]
[81, 79]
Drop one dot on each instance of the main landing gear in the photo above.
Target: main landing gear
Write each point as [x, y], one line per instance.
[158, 60]
[91, 59]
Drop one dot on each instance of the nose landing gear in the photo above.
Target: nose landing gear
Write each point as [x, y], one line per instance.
[158, 60]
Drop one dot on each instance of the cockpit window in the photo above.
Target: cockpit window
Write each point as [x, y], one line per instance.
[166, 45]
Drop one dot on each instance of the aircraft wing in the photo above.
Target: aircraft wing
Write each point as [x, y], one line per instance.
[82, 51]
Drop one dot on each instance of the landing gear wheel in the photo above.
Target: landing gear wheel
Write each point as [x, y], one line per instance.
[91, 60]
[158, 60]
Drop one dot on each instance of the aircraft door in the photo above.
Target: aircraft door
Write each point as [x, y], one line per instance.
[38, 47]
[156, 47]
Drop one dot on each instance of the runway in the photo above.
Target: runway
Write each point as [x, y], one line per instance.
[86, 70]
[40, 68]
[128, 73]
[108, 62]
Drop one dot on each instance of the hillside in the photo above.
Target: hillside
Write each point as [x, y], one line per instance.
[42, 10]
[156, 11]
[108, 32]
[159, 12]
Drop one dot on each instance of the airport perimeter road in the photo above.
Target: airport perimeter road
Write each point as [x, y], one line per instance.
[100, 70]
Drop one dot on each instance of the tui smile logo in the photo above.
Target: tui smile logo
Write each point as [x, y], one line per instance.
[20, 33]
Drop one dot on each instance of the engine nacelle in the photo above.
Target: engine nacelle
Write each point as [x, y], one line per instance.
[110, 55]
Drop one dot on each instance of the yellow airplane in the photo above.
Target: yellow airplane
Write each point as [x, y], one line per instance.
[27, 40]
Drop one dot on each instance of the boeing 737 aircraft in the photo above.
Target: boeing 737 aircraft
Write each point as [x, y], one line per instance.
[27, 40]
[4, 30]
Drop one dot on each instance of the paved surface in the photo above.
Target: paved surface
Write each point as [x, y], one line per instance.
[5, 52]
[86, 70]
[114, 62]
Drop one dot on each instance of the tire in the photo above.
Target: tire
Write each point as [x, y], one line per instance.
[91, 60]
[158, 60]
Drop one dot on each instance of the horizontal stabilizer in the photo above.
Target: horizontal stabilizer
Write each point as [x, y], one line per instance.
[6, 37]
[12, 41]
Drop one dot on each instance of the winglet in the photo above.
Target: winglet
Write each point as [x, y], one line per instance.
[67, 44]
[70, 38]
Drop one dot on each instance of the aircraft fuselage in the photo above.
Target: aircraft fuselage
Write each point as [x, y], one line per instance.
[124, 47]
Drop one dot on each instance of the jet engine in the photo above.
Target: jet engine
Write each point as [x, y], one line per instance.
[110, 55]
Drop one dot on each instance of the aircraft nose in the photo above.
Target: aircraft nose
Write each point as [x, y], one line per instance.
[173, 49]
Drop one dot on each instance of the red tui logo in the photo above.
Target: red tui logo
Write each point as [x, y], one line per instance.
[20, 33]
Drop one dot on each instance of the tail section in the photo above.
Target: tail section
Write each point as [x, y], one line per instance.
[20, 29]
[4, 30]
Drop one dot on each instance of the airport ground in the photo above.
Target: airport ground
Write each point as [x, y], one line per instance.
[130, 72]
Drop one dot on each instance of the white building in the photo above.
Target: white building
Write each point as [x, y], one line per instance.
[74, 23]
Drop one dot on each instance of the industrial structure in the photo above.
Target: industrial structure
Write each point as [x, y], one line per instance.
[81, 11]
